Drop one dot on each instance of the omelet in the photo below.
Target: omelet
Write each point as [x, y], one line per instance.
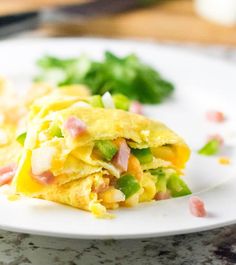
[93, 156]
[14, 113]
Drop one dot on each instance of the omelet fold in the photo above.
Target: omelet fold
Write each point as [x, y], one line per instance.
[81, 178]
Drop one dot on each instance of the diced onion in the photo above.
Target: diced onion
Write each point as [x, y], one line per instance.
[108, 101]
[82, 104]
[3, 137]
[41, 159]
[112, 195]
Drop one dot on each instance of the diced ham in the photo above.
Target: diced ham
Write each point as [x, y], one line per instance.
[7, 173]
[45, 178]
[101, 188]
[215, 116]
[7, 169]
[162, 195]
[75, 126]
[217, 137]
[196, 206]
[136, 107]
[121, 159]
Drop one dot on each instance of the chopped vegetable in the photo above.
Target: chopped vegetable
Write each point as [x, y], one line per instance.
[41, 159]
[107, 149]
[82, 104]
[144, 155]
[107, 101]
[177, 186]
[161, 179]
[21, 138]
[96, 101]
[128, 185]
[161, 183]
[121, 159]
[197, 207]
[112, 195]
[136, 107]
[121, 102]
[55, 130]
[118, 75]
[75, 126]
[159, 172]
[212, 147]
[215, 116]
[3, 137]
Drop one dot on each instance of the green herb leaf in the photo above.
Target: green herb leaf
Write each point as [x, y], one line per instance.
[118, 75]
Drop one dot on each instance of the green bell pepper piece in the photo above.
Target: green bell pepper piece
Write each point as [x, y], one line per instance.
[21, 138]
[161, 179]
[210, 148]
[177, 186]
[96, 101]
[144, 155]
[107, 148]
[128, 185]
[55, 130]
[121, 102]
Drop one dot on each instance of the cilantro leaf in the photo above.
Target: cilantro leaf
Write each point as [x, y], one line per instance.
[119, 75]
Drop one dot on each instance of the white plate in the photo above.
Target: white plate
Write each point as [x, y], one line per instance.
[201, 84]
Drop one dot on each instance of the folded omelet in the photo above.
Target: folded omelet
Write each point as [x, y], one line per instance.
[94, 158]
[14, 111]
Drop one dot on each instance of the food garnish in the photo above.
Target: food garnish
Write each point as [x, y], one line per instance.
[126, 75]
[197, 207]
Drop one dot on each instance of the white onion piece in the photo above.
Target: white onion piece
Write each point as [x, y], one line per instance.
[108, 101]
[119, 196]
[82, 104]
[41, 159]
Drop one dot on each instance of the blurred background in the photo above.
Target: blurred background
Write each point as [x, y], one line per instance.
[181, 21]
